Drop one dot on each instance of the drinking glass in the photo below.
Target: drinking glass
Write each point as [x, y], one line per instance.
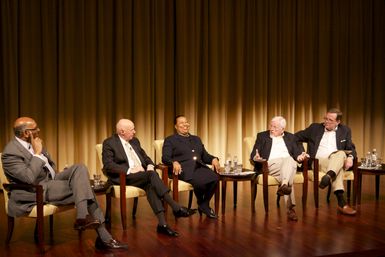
[239, 168]
[97, 178]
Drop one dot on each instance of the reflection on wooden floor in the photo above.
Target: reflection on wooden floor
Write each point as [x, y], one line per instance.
[319, 232]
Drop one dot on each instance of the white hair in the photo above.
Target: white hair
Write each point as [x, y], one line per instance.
[281, 121]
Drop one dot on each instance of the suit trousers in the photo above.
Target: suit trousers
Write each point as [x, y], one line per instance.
[150, 182]
[335, 162]
[284, 170]
[72, 185]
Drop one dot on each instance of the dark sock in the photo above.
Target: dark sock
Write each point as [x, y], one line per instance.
[174, 205]
[161, 218]
[332, 175]
[103, 233]
[340, 197]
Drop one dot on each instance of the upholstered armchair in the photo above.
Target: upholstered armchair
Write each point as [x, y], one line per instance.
[39, 211]
[265, 180]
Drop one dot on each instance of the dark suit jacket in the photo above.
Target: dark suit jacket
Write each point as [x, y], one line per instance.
[312, 135]
[264, 143]
[114, 157]
[190, 156]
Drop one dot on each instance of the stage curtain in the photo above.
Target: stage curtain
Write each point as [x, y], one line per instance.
[77, 66]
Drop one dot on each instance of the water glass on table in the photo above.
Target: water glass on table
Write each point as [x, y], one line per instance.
[238, 169]
[97, 178]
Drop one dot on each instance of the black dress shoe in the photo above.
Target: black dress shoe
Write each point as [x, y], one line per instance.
[183, 212]
[284, 190]
[166, 230]
[110, 245]
[88, 223]
[325, 181]
[209, 213]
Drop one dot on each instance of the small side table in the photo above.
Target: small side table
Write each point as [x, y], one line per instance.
[245, 175]
[367, 171]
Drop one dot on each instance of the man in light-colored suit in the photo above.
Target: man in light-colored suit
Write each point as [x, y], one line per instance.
[331, 142]
[26, 161]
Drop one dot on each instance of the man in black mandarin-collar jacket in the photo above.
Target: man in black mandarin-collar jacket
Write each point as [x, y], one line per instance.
[331, 142]
[188, 158]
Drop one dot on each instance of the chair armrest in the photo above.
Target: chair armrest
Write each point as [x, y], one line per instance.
[164, 169]
[10, 187]
[38, 191]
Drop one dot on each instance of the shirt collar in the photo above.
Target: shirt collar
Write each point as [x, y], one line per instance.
[124, 142]
[25, 144]
[281, 136]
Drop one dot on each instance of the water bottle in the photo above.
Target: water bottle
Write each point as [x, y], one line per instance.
[235, 163]
[368, 160]
[374, 157]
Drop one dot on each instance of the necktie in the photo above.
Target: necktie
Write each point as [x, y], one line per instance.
[132, 156]
[48, 166]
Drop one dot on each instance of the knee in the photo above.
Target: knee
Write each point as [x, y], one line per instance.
[80, 169]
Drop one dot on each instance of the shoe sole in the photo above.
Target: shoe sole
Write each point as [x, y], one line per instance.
[90, 226]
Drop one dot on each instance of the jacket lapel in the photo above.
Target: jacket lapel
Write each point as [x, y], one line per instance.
[120, 147]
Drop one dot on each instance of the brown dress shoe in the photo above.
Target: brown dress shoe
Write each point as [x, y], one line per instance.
[291, 215]
[284, 190]
[88, 223]
[346, 210]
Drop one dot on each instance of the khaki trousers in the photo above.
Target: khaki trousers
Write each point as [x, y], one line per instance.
[336, 163]
[284, 170]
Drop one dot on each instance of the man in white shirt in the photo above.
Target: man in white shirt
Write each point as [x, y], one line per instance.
[122, 153]
[331, 143]
[279, 148]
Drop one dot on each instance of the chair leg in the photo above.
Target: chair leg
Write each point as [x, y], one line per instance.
[135, 207]
[108, 211]
[51, 226]
[123, 211]
[349, 188]
[38, 235]
[278, 200]
[266, 196]
[11, 224]
[328, 195]
[190, 197]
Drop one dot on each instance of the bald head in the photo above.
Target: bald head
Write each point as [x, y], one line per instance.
[24, 126]
[125, 129]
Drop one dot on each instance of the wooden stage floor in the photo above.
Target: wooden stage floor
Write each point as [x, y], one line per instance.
[319, 232]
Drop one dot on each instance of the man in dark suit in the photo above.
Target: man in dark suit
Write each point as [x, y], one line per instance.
[281, 151]
[331, 142]
[122, 152]
[188, 158]
[26, 161]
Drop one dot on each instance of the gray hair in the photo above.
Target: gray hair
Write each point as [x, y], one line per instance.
[281, 121]
[19, 130]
